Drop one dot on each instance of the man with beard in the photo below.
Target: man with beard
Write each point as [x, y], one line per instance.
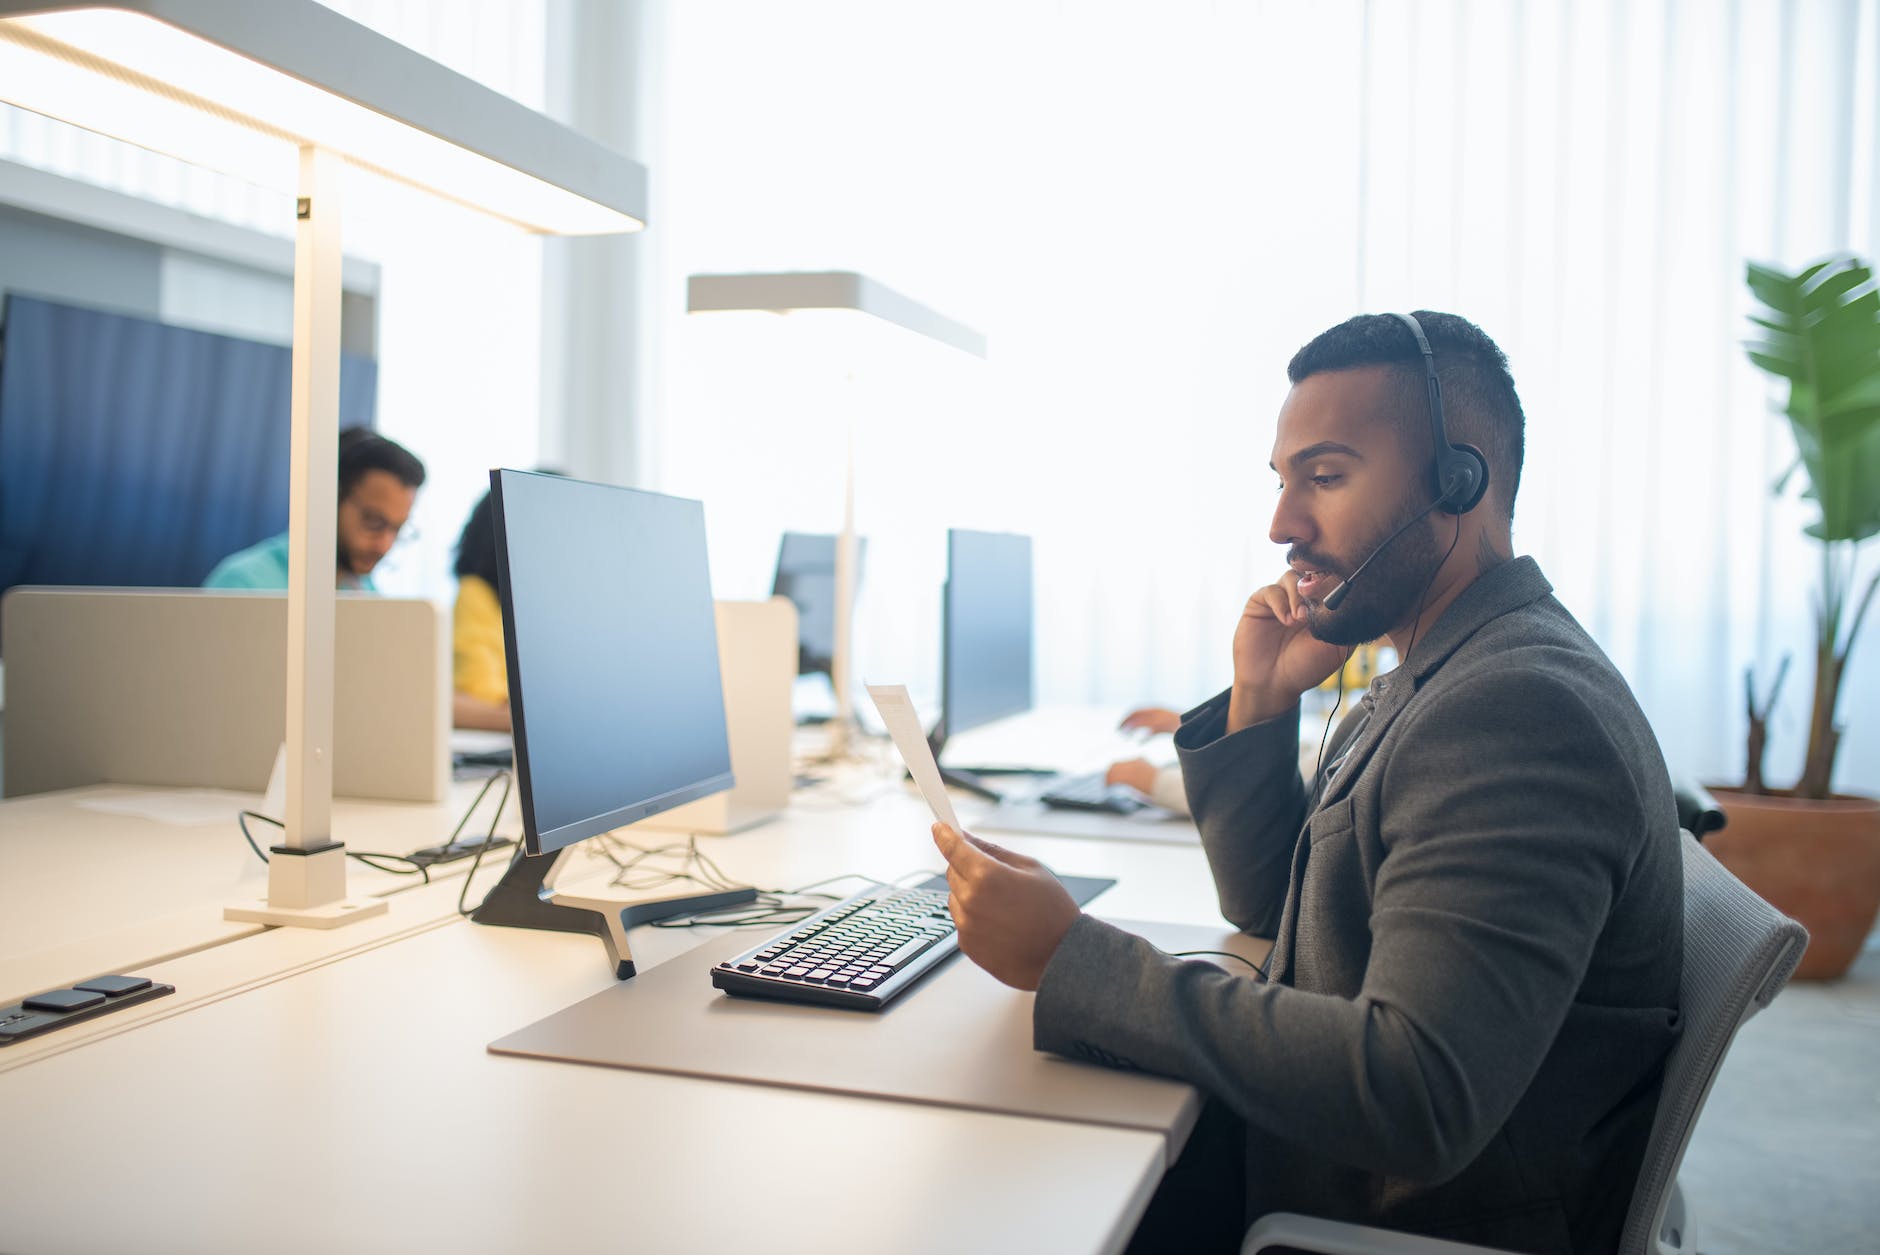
[1476, 902]
[378, 484]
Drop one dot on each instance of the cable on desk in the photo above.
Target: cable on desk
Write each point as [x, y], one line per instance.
[637, 867]
[369, 858]
[489, 838]
[770, 909]
[870, 769]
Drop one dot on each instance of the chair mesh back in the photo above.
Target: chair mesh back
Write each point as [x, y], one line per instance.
[1738, 953]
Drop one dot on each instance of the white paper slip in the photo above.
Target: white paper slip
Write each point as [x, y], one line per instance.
[897, 711]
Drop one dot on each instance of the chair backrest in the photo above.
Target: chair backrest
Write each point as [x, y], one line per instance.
[1738, 953]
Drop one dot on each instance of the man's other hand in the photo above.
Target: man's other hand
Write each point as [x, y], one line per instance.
[1010, 911]
[1153, 719]
[1138, 773]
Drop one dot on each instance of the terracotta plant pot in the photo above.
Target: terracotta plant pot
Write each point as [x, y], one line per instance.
[1817, 862]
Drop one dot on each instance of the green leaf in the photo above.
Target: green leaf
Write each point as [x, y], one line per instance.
[1858, 404]
[1774, 289]
[1828, 293]
[1783, 366]
[1817, 268]
[1821, 333]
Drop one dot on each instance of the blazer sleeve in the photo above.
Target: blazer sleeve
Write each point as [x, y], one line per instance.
[1248, 802]
[1509, 825]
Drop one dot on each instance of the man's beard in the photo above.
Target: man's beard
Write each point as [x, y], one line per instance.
[351, 565]
[1391, 588]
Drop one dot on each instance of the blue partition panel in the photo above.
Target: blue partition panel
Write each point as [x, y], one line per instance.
[136, 453]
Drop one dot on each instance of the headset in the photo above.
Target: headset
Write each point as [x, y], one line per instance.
[1458, 472]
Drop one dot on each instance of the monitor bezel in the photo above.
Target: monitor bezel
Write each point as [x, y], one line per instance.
[536, 841]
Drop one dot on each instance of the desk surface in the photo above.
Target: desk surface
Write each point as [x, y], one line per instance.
[97, 881]
[367, 1082]
[354, 1063]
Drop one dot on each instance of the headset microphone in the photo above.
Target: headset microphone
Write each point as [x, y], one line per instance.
[1337, 595]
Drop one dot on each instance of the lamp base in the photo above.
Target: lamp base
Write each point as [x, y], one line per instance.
[331, 915]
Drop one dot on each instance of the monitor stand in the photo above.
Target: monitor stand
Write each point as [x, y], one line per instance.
[526, 897]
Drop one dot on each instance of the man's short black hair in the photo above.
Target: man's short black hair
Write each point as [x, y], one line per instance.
[361, 449]
[1479, 402]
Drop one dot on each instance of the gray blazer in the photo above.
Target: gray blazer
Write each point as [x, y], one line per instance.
[1478, 921]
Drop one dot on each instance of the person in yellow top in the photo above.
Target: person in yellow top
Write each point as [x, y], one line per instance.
[479, 672]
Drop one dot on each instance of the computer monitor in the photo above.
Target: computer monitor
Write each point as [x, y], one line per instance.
[985, 650]
[806, 574]
[614, 689]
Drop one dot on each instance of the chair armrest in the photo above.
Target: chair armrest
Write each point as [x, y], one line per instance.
[1698, 812]
[1334, 1237]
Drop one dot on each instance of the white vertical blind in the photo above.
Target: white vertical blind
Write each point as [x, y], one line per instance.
[1148, 210]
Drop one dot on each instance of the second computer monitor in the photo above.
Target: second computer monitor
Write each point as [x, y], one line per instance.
[614, 687]
[985, 651]
[806, 574]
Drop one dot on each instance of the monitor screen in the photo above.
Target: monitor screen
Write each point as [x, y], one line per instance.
[985, 651]
[806, 574]
[614, 691]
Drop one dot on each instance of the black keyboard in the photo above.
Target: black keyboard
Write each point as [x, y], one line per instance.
[859, 953]
[1091, 793]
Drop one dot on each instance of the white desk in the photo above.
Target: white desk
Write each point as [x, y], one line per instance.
[90, 891]
[366, 1083]
[355, 1068]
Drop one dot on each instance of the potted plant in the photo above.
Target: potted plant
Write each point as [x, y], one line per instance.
[1813, 853]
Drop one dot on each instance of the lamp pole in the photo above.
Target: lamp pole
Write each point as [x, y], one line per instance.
[842, 668]
[307, 871]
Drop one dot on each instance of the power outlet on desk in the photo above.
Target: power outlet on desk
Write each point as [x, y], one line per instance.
[56, 1008]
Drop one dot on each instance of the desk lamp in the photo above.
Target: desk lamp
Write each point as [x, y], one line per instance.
[783, 293]
[280, 94]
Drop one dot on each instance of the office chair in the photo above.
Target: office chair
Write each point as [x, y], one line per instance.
[1738, 953]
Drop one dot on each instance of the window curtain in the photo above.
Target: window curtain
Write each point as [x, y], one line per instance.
[1148, 209]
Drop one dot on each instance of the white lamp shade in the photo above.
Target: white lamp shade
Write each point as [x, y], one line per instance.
[240, 86]
[831, 289]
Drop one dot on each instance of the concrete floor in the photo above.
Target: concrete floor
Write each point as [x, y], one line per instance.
[1786, 1157]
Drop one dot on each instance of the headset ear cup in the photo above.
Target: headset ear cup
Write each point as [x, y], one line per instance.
[1464, 474]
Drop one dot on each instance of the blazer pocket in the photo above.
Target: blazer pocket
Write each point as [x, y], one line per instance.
[1331, 821]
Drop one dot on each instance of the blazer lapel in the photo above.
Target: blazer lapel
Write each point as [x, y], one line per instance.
[1514, 583]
